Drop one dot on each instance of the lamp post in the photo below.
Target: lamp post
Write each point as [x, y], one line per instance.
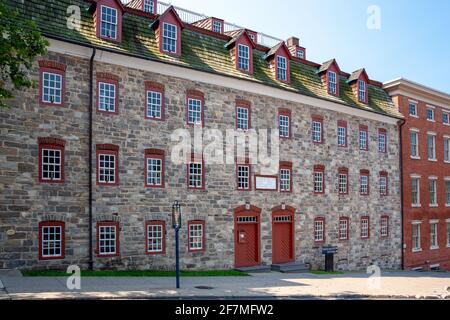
[176, 223]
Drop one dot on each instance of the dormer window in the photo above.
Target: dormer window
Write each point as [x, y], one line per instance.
[217, 26]
[108, 22]
[281, 68]
[300, 54]
[169, 37]
[149, 6]
[243, 57]
[362, 90]
[332, 82]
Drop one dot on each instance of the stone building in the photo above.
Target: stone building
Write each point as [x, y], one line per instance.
[86, 175]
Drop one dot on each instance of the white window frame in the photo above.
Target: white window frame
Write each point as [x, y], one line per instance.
[52, 243]
[195, 175]
[285, 179]
[364, 184]
[332, 82]
[112, 240]
[382, 142]
[318, 181]
[300, 53]
[433, 114]
[154, 104]
[169, 37]
[317, 131]
[149, 6]
[243, 177]
[343, 182]
[196, 236]
[447, 149]
[195, 107]
[341, 136]
[57, 167]
[431, 148]
[365, 228]
[447, 191]
[111, 24]
[434, 234]
[52, 90]
[383, 185]
[154, 177]
[155, 238]
[107, 171]
[446, 113]
[282, 68]
[319, 230]
[414, 146]
[217, 26]
[105, 101]
[416, 243]
[417, 203]
[432, 183]
[447, 223]
[363, 140]
[415, 115]
[362, 90]
[242, 118]
[384, 226]
[284, 124]
[243, 57]
[343, 229]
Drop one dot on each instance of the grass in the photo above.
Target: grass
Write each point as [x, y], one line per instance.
[321, 272]
[135, 273]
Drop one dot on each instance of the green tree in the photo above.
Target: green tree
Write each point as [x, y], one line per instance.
[20, 44]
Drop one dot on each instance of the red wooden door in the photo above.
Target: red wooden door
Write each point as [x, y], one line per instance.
[282, 238]
[246, 239]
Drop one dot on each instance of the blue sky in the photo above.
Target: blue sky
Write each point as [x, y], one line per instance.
[413, 42]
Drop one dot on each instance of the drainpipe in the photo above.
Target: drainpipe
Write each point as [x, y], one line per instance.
[91, 101]
[402, 218]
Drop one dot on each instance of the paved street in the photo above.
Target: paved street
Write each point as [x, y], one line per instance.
[393, 285]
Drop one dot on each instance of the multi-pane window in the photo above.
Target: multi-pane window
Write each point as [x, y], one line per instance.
[431, 144]
[195, 175]
[430, 114]
[196, 236]
[217, 26]
[362, 90]
[343, 182]
[243, 177]
[51, 165]
[415, 192]
[384, 226]
[107, 239]
[365, 225]
[284, 124]
[445, 117]
[154, 104]
[414, 137]
[243, 118]
[382, 138]
[342, 136]
[383, 184]
[194, 111]
[243, 57]
[447, 149]
[413, 109]
[281, 68]
[51, 88]
[51, 240]
[108, 22]
[332, 82]
[434, 235]
[285, 179]
[432, 187]
[107, 168]
[318, 181]
[300, 54]
[416, 234]
[154, 171]
[169, 37]
[364, 184]
[155, 237]
[319, 230]
[107, 97]
[447, 193]
[343, 229]
[149, 6]
[317, 131]
[363, 138]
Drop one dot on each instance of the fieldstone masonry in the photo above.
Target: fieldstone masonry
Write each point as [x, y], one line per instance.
[24, 202]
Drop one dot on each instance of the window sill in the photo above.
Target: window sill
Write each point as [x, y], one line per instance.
[415, 158]
[434, 248]
[434, 206]
[431, 120]
[446, 161]
[433, 160]
[416, 206]
[413, 116]
[416, 250]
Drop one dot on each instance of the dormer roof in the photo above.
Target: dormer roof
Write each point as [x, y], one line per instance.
[356, 75]
[237, 36]
[119, 3]
[281, 46]
[327, 65]
[170, 11]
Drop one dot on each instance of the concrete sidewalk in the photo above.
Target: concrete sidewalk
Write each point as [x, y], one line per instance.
[393, 285]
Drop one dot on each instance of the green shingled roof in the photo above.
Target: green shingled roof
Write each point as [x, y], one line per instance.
[199, 51]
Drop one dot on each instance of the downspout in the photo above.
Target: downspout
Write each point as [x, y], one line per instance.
[402, 218]
[91, 101]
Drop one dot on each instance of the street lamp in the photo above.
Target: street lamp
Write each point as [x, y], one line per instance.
[176, 223]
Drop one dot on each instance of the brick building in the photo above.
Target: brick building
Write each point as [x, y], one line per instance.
[86, 174]
[426, 174]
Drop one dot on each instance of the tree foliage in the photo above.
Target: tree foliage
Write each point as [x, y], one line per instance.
[20, 44]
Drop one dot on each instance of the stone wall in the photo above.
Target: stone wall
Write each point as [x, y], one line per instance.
[24, 202]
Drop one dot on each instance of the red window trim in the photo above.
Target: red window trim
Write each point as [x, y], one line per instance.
[381, 225]
[202, 222]
[54, 144]
[382, 131]
[244, 163]
[192, 159]
[221, 22]
[63, 240]
[365, 173]
[366, 129]
[366, 91]
[288, 68]
[111, 79]
[155, 154]
[343, 170]
[348, 229]
[198, 95]
[287, 113]
[343, 124]
[154, 87]
[368, 227]
[319, 168]
[323, 231]
[286, 165]
[155, 3]
[160, 31]
[317, 118]
[156, 222]
[98, 21]
[240, 103]
[108, 223]
[56, 68]
[385, 174]
[250, 46]
[107, 149]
